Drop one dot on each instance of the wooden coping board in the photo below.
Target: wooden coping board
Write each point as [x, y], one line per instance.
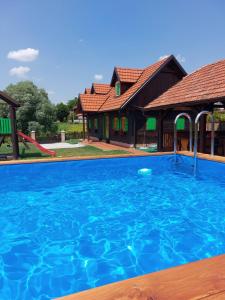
[204, 279]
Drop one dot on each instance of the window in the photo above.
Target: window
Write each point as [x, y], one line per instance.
[124, 124]
[151, 124]
[180, 124]
[116, 124]
[117, 88]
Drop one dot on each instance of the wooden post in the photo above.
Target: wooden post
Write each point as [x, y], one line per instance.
[160, 131]
[15, 143]
[87, 120]
[202, 134]
[83, 127]
[134, 128]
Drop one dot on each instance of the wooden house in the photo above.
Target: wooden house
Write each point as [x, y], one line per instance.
[139, 106]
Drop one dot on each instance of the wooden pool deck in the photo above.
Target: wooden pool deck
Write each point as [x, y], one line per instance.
[204, 279]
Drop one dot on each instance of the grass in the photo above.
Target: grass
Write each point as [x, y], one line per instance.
[70, 128]
[87, 151]
[33, 152]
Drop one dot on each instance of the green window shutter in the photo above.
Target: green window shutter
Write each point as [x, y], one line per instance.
[151, 123]
[117, 87]
[180, 124]
[5, 126]
[125, 124]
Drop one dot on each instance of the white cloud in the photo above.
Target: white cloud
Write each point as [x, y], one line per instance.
[19, 71]
[98, 77]
[180, 58]
[163, 56]
[28, 54]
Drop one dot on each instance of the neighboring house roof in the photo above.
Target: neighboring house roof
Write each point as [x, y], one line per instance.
[207, 84]
[8, 99]
[128, 75]
[91, 102]
[101, 88]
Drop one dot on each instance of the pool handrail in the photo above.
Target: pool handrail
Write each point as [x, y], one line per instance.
[175, 130]
[208, 113]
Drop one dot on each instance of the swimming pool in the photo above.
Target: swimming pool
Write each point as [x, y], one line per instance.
[70, 226]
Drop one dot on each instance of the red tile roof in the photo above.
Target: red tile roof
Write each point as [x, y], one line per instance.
[101, 88]
[205, 84]
[128, 75]
[114, 102]
[87, 91]
[91, 102]
[109, 101]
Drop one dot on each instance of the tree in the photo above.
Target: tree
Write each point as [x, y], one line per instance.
[4, 111]
[35, 111]
[62, 112]
[72, 103]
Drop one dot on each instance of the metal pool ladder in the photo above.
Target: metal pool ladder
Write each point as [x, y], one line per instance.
[204, 112]
[175, 132]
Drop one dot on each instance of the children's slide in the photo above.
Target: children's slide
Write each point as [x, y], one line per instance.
[36, 144]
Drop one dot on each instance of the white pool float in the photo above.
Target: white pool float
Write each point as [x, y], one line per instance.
[145, 171]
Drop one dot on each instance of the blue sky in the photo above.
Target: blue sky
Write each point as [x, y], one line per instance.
[72, 41]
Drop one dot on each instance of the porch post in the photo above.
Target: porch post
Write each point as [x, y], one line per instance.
[87, 125]
[15, 143]
[134, 128]
[160, 131]
[202, 134]
[83, 127]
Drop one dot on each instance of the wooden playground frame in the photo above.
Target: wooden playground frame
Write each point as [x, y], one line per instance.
[13, 105]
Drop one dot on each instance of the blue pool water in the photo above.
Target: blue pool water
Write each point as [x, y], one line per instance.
[70, 226]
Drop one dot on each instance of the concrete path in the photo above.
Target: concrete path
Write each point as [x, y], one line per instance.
[107, 147]
[62, 145]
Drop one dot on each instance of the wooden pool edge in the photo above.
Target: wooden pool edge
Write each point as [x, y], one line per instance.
[204, 279]
[71, 158]
[204, 156]
[215, 158]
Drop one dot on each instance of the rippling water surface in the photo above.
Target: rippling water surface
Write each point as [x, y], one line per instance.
[70, 226]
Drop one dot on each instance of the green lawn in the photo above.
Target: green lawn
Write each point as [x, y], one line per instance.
[87, 151]
[70, 128]
[33, 152]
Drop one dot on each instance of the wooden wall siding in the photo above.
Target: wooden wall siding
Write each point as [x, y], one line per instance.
[117, 136]
[127, 137]
[144, 136]
[168, 76]
[93, 132]
[137, 133]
